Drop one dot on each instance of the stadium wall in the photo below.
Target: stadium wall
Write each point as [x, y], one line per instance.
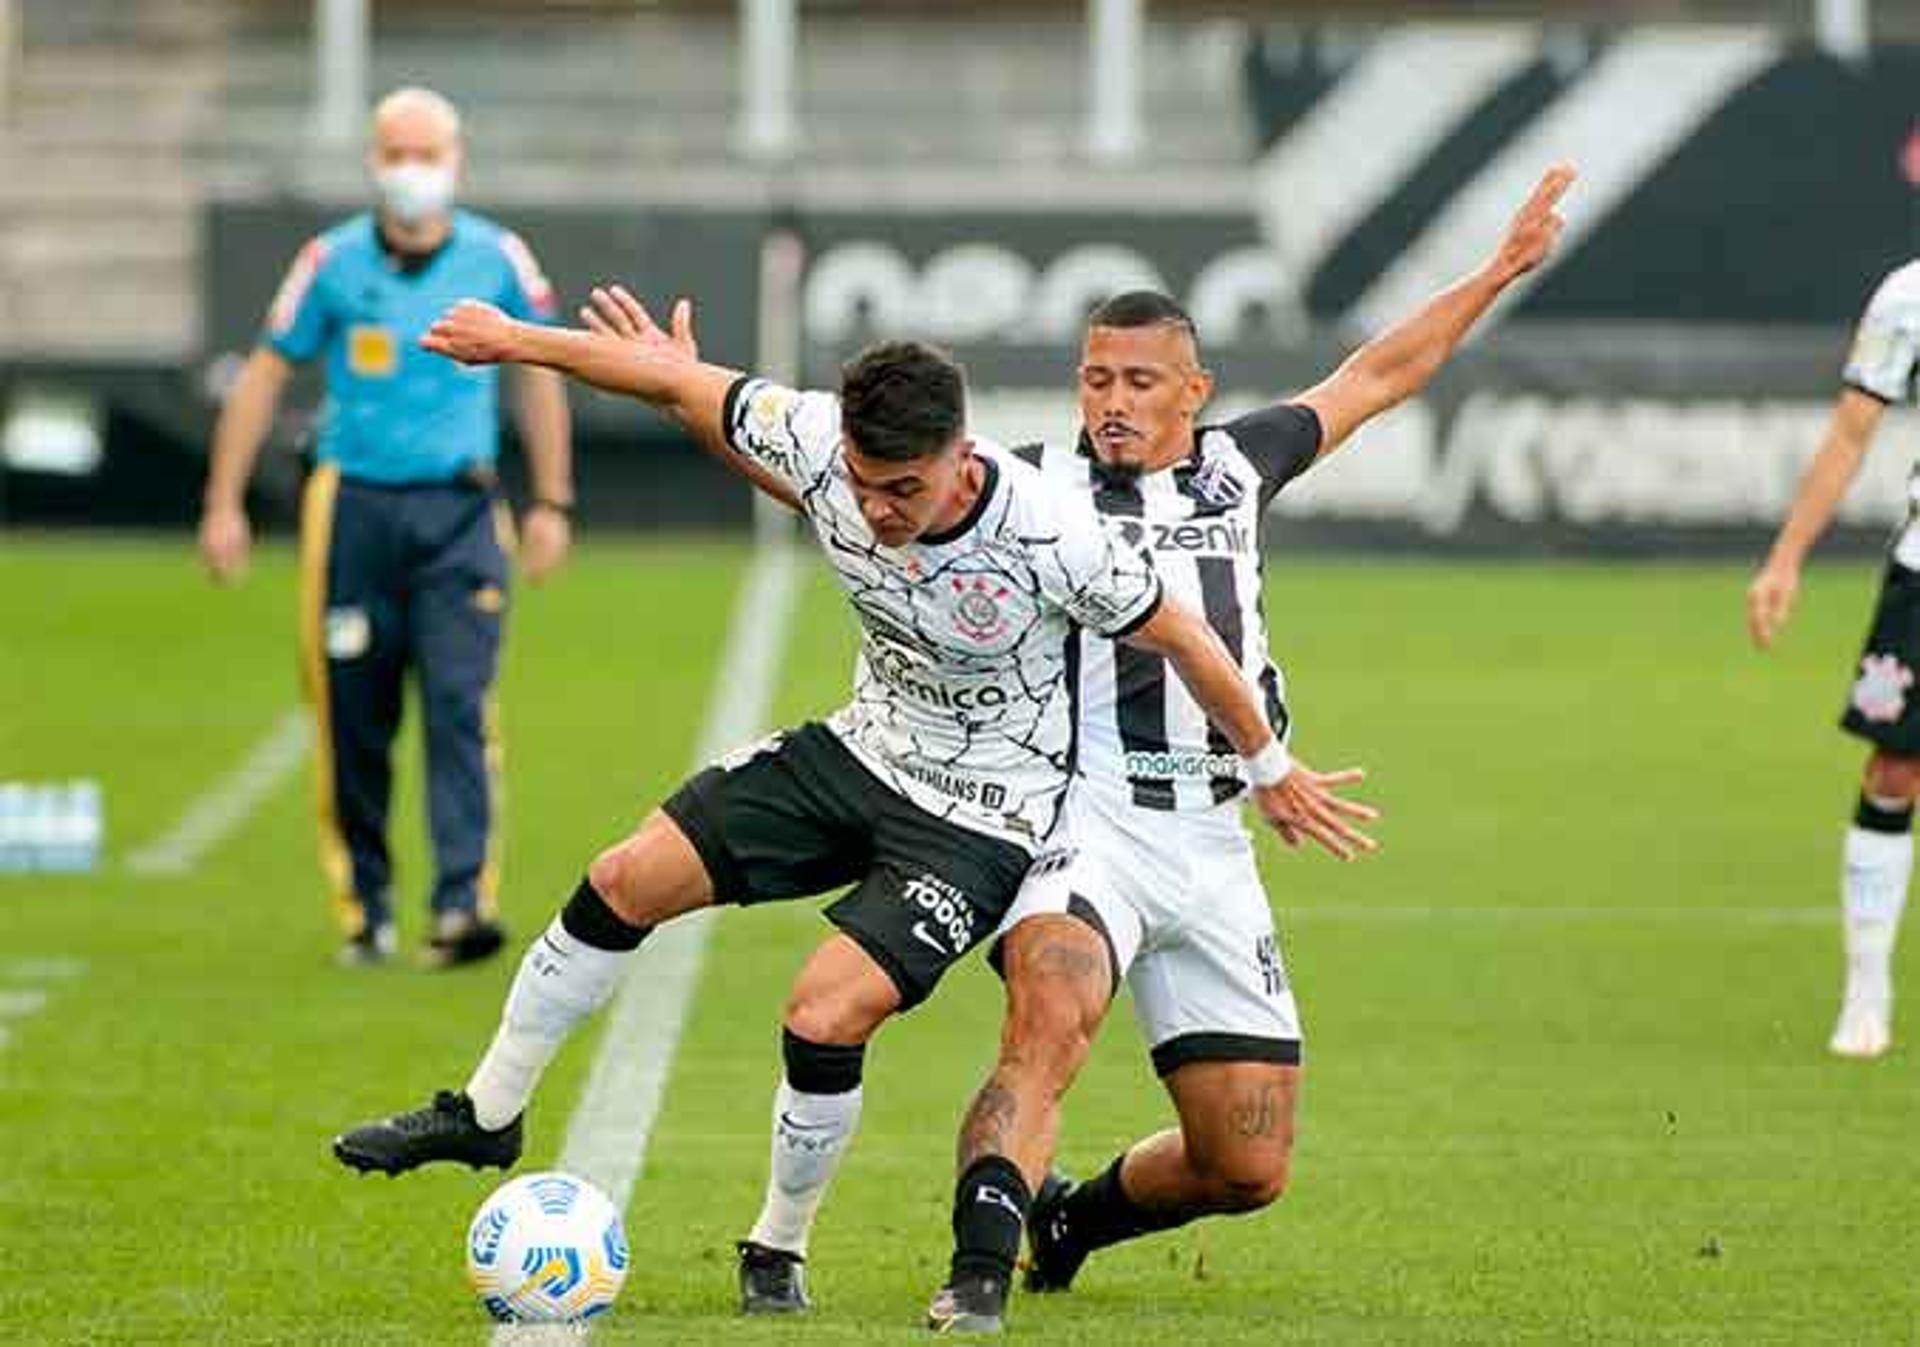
[1657, 390]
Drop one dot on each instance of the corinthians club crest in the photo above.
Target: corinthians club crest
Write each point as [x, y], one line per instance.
[1880, 694]
[976, 608]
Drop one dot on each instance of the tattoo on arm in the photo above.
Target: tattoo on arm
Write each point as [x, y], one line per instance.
[988, 1123]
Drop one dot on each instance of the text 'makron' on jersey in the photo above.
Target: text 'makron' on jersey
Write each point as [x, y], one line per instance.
[961, 697]
[1199, 522]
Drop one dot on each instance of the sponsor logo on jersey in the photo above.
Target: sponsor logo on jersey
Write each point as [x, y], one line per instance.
[947, 924]
[1221, 537]
[966, 789]
[1880, 694]
[1188, 765]
[900, 675]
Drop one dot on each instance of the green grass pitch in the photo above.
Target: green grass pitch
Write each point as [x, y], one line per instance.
[1567, 1075]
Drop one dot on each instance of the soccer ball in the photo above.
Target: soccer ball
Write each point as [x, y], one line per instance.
[546, 1248]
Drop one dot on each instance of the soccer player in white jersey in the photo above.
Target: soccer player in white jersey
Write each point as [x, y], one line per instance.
[1160, 889]
[929, 792]
[1881, 708]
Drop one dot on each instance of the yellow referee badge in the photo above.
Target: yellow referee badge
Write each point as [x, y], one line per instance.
[372, 351]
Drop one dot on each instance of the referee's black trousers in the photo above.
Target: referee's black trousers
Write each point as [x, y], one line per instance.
[399, 578]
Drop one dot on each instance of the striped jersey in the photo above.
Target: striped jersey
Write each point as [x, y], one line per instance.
[395, 413]
[961, 699]
[1198, 522]
[1882, 364]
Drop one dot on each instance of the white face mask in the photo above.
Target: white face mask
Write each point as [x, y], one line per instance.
[413, 192]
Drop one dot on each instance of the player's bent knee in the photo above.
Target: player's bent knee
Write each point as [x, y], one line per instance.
[1048, 1034]
[839, 998]
[651, 876]
[1250, 1183]
[832, 1019]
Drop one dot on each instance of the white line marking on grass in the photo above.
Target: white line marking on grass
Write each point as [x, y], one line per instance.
[17, 1005]
[218, 813]
[1408, 912]
[43, 970]
[607, 1136]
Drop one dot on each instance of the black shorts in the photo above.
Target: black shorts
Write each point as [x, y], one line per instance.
[1884, 705]
[798, 814]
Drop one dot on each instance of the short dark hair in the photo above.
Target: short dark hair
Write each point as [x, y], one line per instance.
[1141, 308]
[902, 400]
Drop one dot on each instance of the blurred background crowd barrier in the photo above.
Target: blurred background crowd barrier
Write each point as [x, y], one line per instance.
[820, 174]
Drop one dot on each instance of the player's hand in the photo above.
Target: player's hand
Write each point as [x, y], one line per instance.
[1770, 601]
[614, 312]
[1307, 806]
[226, 540]
[1536, 225]
[545, 537]
[472, 332]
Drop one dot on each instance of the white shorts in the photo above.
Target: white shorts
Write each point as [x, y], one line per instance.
[1180, 902]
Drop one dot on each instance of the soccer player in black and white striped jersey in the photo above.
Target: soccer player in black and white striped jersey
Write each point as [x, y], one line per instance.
[930, 791]
[1159, 887]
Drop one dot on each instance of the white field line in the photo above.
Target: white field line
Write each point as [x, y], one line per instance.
[218, 813]
[1597, 914]
[18, 1002]
[606, 1140]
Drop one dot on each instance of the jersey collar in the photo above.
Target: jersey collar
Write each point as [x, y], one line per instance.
[988, 485]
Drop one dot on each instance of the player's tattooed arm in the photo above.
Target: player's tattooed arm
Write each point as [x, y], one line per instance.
[1402, 360]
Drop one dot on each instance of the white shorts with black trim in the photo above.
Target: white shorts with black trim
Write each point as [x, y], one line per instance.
[1179, 900]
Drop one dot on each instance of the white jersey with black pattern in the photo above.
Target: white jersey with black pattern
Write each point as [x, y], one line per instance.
[961, 701]
[1882, 364]
[1141, 733]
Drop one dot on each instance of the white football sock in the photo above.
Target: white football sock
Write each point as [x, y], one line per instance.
[561, 981]
[810, 1133]
[1874, 892]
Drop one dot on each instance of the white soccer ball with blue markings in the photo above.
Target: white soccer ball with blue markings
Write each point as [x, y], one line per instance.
[546, 1248]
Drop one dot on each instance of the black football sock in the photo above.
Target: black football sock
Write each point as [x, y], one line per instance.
[989, 1213]
[1099, 1212]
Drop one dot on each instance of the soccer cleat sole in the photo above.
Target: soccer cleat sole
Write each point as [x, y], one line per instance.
[374, 1164]
[968, 1325]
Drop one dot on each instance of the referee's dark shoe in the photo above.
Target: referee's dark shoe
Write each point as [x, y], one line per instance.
[444, 1130]
[772, 1281]
[969, 1305]
[462, 937]
[1053, 1260]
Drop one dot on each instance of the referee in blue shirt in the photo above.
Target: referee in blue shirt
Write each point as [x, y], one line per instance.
[404, 538]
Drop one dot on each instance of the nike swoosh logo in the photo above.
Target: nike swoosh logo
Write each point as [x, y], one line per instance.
[787, 1121]
[925, 937]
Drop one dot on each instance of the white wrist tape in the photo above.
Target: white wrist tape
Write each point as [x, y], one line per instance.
[1269, 767]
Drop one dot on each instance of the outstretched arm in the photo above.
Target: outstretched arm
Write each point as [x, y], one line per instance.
[659, 367]
[615, 312]
[1401, 361]
[1296, 800]
[1832, 470]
